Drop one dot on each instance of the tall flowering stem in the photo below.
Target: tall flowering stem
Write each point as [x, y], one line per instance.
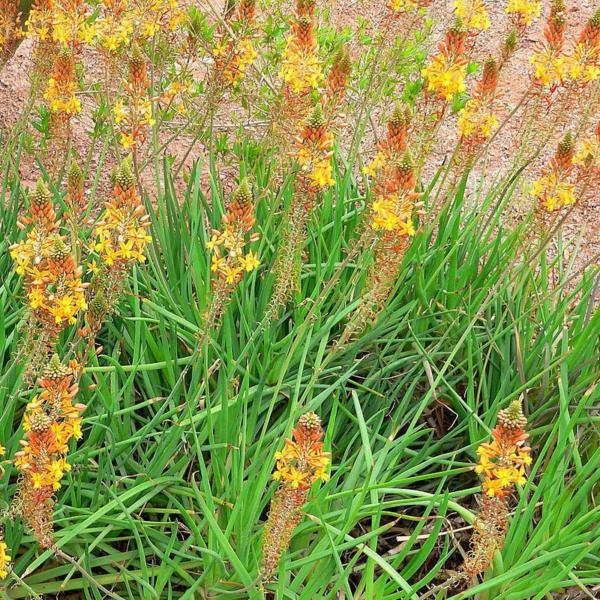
[51, 276]
[391, 223]
[39, 27]
[549, 63]
[233, 56]
[587, 165]
[477, 121]
[335, 86]
[583, 62]
[120, 241]
[63, 103]
[51, 419]
[556, 188]
[230, 259]
[301, 70]
[133, 114]
[502, 465]
[314, 148]
[301, 463]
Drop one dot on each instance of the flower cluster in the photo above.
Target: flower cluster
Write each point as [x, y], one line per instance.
[40, 20]
[524, 11]
[53, 284]
[301, 463]
[313, 154]
[61, 93]
[110, 27]
[503, 461]
[446, 72]
[405, 6]
[502, 464]
[5, 558]
[587, 162]
[134, 113]
[473, 14]
[394, 143]
[583, 63]
[51, 421]
[121, 233]
[301, 70]
[549, 63]
[72, 24]
[554, 189]
[114, 26]
[9, 27]
[477, 121]
[338, 77]
[234, 56]
[229, 259]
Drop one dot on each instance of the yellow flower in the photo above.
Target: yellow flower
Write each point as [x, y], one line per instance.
[473, 14]
[127, 140]
[37, 480]
[549, 68]
[4, 560]
[2, 450]
[444, 76]
[119, 111]
[250, 261]
[231, 273]
[301, 69]
[554, 192]
[527, 10]
[403, 5]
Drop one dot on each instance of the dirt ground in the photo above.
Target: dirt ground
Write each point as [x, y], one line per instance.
[584, 221]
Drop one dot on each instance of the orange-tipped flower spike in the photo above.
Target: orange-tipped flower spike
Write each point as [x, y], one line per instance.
[503, 463]
[301, 463]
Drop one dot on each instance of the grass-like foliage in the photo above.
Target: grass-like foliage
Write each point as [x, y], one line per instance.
[294, 366]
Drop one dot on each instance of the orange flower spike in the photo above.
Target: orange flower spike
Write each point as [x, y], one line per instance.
[41, 207]
[50, 421]
[554, 32]
[503, 461]
[301, 463]
[75, 197]
[246, 11]
[338, 75]
[305, 8]
[138, 71]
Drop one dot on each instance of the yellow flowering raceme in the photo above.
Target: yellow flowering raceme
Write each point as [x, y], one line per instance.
[554, 192]
[473, 14]
[527, 10]
[476, 119]
[550, 68]
[445, 76]
[61, 97]
[582, 65]
[301, 70]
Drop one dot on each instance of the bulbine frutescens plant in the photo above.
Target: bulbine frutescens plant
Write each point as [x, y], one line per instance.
[151, 93]
[60, 294]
